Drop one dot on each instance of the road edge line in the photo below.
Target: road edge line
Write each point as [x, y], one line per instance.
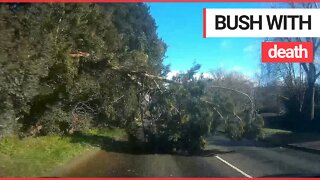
[235, 168]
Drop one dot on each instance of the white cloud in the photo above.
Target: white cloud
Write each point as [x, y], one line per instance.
[171, 74]
[205, 75]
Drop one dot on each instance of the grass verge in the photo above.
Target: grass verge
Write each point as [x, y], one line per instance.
[267, 132]
[36, 157]
[278, 136]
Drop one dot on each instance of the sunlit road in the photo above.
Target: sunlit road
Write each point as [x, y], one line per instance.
[239, 159]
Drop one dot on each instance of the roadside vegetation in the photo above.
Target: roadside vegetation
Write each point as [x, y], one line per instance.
[65, 72]
[72, 75]
[285, 137]
[40, 156]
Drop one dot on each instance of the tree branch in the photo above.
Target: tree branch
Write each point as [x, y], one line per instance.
[304, 65]
[240, 92]
[214, 108]
[317, 75]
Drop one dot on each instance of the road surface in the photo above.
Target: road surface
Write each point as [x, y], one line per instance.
[237, 159]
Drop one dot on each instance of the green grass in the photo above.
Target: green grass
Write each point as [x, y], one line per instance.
[35, 157]
[278, 136]
[267, 132]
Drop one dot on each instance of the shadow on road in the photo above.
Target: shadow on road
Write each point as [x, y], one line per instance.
[120, 158]
[221, 140]
[110, 144]
[139, 148]
[294, 137]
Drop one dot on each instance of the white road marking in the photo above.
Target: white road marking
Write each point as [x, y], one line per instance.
[235, 168]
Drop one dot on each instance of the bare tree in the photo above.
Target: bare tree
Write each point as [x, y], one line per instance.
[311, 70]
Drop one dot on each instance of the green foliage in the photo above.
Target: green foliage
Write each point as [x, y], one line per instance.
[179, 115]
[232, 95]
[35, 157]
[40, 156]
[234, 128]
[189, 108]
[67, 67]
[253, 127]
[43, 86]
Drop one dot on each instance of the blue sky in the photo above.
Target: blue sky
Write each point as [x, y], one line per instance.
[180, 26]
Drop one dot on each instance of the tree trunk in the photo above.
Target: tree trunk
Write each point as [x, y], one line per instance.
[308, 105]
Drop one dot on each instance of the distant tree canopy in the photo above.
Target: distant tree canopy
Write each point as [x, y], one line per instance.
[67, 67]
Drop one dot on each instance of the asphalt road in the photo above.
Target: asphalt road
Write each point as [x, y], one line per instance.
[259, 159]
[237, 159]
